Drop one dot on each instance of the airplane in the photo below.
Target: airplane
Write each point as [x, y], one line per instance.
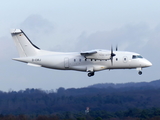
[86, 61]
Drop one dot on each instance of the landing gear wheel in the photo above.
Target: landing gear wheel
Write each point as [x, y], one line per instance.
[90, 74]
[140, 72]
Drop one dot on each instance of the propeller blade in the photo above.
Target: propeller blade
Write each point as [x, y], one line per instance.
[112, 60]
[111, 49]
[112, 55]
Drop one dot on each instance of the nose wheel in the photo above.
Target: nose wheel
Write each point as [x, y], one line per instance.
[140, 72]
[90, 74]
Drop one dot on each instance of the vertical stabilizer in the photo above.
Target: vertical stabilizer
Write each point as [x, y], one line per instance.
[24, 45]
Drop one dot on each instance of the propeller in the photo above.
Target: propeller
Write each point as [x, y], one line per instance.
[112, 55]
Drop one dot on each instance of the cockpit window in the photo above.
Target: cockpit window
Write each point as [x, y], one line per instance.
[139, 56]
[136, 56]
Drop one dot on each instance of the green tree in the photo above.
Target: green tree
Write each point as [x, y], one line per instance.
[98, 118]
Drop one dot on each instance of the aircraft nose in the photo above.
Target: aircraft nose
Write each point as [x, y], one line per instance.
[148, 63]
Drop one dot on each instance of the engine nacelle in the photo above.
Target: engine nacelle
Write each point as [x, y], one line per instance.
[100, 55]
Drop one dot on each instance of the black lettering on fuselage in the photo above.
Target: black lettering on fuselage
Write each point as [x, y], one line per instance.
[36, 60]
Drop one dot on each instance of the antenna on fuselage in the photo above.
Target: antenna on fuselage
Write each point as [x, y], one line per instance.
[116, 47]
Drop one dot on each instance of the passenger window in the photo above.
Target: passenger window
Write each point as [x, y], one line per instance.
[74, 60]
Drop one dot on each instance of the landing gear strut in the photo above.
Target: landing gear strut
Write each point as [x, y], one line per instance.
[140, 72]
[90, 74]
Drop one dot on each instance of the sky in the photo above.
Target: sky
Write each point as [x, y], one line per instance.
[78, 25]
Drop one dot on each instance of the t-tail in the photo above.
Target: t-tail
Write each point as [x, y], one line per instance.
[24, 46]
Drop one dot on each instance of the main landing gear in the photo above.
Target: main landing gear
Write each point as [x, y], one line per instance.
[90, 74]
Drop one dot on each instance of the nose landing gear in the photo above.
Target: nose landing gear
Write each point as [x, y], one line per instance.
[90, 74]
[140, 72]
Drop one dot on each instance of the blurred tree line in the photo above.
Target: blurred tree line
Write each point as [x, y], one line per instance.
[131, 114]
[125, 102]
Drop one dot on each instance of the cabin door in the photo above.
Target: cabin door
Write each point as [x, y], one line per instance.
[66, 62]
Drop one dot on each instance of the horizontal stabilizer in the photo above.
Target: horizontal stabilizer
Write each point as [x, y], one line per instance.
[35, 65]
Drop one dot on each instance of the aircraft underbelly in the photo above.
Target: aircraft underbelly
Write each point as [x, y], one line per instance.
[53, 62]
[78, 68]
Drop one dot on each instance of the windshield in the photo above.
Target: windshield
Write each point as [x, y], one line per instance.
[136, 56]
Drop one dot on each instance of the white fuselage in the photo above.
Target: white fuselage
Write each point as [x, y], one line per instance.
[75, 61]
